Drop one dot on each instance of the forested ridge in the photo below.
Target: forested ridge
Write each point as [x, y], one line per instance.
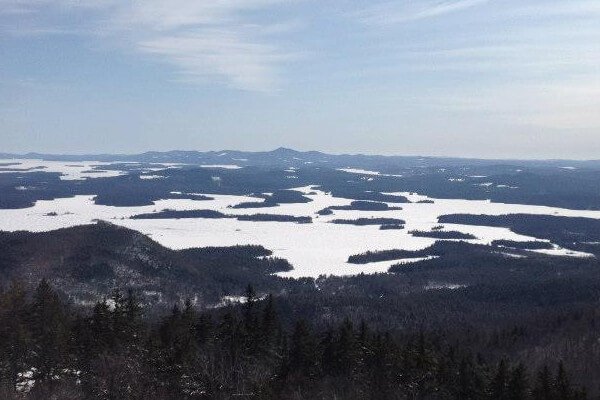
[488, 302]
[521, 182]
[52, 350]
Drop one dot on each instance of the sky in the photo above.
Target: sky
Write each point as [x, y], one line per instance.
[470, 78]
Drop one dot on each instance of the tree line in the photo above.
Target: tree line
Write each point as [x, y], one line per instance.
[50, 349]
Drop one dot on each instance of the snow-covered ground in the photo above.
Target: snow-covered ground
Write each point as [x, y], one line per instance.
[221, 166]
[359, 171]
[78, 170]
[313, 249]
[70, 170]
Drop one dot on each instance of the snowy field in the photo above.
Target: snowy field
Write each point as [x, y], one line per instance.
[75, 170]
[78, 170]
[359, 171]
[320, 248]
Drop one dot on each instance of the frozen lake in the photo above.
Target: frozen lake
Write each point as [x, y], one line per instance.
[75, 170]
[320, 248]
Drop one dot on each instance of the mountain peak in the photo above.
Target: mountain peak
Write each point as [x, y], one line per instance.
[285, 150]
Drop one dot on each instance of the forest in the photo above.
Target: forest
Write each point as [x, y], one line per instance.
[488, 302]
[178, 214]
[530, 245]
[576, 233]
[511, 181]
[369, 221]
[50, 350]
[362, 205]
[439, 234]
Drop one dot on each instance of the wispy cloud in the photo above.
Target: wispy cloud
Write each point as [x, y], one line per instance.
[398, 12]
[581, 8]
[221, 53]
[204, 40]
[532, 64]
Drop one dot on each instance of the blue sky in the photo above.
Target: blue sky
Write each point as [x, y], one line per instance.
[482, 78]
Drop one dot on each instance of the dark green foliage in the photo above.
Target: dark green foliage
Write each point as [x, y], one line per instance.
[532, 245]
[325, 211]
[174, 214]
[385, 255]
[580, 234]
[348, 192]
[369, 221]
[388, 227]
[99, 271]
[530, 182]
[48, 324]
[499, 384]
[116, 353]
[278, 197]
[518, 384]
[15, 334]
[362, 205]
[211, 214]
[88, 261]
[438, 234]
[275, 218]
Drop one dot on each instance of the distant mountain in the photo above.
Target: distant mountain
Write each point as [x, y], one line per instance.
[289, 157]
[559, 183]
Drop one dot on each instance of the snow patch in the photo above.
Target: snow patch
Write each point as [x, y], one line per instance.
[222, 166]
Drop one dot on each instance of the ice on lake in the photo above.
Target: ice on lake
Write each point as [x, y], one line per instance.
[79, 170]
[75, 170]
[320, 248]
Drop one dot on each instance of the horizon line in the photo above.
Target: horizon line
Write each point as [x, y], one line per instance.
[28, 154]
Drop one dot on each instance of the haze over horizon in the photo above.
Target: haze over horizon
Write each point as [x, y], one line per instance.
[271, 150]
[460, 78]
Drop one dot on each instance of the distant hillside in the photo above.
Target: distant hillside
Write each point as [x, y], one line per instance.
[287, 156]
[87, 262]
[142, 179]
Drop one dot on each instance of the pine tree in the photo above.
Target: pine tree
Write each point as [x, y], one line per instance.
[562, 386]
[303, 351]
[517, 385]
[229, 337]
[270, 323]
[469, 384]
[102, 330]
[328, 345]
[250, 327]
[381, 369]
[50, 333]
[249, 308]
[15, 334]
[187, 347]
[499, 385]
[204, 329]
[543, 389]
[127, 320]
[179, 349]
[345, 357]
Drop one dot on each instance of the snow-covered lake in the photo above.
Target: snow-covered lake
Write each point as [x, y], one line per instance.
[79, 170]
[313, 249]
[75, 170]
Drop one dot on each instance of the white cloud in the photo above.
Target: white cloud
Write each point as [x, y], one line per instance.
[198, 55]
[173, 14]
[530, 62]
[580, 8]
[204, 39]
[398, 12]
[533, 63]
